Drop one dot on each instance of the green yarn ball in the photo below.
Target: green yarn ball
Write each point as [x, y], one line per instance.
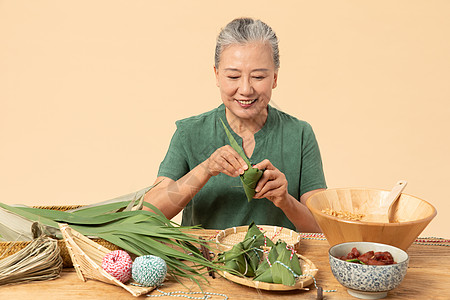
[149, 270]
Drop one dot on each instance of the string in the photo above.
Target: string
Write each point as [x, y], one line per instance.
[207, 295]
[426, 241]
[297, 276]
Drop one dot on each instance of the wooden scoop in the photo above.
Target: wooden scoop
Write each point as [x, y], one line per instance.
[384, 213]
[392, 198]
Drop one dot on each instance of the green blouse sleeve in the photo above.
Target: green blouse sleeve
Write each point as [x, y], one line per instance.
[175, 163]
[311, 173]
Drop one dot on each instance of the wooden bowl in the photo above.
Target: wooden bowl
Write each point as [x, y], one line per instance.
[411, 215]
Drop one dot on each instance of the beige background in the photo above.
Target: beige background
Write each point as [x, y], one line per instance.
[90, 91]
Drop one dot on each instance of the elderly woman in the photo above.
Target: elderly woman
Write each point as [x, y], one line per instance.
[200, 172]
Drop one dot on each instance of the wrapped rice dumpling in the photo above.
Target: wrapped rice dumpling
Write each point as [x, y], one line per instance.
[252, 175]
[279, 265]
[245, 256]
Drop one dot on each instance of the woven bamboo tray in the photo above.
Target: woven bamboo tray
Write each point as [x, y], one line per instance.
[227, 238]
[309, 271]
[9, 248]
[87, 258]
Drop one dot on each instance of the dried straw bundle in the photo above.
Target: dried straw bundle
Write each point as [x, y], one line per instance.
[40, 260]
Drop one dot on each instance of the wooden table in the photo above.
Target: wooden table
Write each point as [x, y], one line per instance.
[428, 277]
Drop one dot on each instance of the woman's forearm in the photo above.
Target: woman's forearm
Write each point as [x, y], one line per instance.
[299, 214]
[171, 196]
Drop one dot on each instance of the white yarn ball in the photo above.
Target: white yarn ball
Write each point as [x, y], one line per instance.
[149, 270]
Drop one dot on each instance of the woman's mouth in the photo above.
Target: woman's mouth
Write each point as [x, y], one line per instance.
[246, 102]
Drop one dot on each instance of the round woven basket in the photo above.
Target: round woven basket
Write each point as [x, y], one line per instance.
[309, 270]
[227, 238]
[9, 248]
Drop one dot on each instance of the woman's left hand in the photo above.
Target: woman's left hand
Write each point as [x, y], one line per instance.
[272, 185]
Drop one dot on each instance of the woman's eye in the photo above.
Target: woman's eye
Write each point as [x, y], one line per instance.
[233, 77]
[259, 77]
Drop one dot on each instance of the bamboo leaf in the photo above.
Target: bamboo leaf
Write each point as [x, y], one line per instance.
[249, 180]
[70, 218]
[14, 227]
[159, 215]
[51, 225]
[286, 266]
[97, 209]
[252, 175]
[265, 275]
[281, 274]
[235, 145]
[124, 202]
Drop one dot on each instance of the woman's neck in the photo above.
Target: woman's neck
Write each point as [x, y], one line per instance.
[245, 127]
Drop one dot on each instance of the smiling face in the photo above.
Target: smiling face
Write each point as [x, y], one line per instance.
[246, 76]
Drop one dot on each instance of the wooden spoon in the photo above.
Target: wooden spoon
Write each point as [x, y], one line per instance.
[393, 196]
[384, 213]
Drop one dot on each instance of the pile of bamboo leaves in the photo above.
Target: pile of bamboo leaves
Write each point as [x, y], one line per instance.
[136, 231]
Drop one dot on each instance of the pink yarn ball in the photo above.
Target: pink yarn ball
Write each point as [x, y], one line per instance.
[118, 263]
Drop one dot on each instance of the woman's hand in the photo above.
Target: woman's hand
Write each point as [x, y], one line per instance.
[272, 185]
[225, 160]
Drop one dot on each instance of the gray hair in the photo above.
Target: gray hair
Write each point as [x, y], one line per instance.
[245, 30]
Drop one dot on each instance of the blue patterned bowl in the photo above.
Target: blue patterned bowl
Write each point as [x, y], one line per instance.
[368, 281]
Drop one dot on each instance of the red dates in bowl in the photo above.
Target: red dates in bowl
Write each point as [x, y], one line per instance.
[379, 258]
[368, 281]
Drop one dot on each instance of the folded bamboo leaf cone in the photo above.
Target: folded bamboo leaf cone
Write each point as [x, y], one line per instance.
[252, 175]
[149, 270]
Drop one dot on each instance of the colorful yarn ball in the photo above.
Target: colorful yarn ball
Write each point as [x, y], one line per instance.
[149, 270]
[118, 263]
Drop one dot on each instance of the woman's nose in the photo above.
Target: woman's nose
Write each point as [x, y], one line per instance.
[245, 86]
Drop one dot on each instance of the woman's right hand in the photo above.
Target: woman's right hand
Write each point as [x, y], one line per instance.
[227, 161]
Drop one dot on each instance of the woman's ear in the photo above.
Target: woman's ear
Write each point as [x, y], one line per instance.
[275, 78]
[216, 72]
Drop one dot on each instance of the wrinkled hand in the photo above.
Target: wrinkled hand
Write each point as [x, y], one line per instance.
[225, 160]
[272, 185]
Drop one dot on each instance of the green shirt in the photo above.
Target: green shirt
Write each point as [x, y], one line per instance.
[288, 143]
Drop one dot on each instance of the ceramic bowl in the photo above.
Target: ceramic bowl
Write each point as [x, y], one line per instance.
[412, 215]
[368, 281]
